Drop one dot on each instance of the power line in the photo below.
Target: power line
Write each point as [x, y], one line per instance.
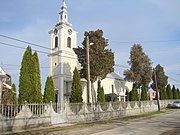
[21, 47]
[148, 41]
[26, 42]
[121, 66]
[11, 65]
[10, 45]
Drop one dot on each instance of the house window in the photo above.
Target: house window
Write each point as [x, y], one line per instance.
[112, 88]
[69, 42]
[56, 42]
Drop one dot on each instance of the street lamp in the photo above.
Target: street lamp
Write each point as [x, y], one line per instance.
[88, 67]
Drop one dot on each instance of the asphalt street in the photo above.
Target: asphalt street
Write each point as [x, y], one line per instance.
[163, 124]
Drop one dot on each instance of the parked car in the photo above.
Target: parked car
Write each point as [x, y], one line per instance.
[175, 104]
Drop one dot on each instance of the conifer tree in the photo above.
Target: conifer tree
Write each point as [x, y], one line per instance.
[103, 95]
[36, 95]
[14, 98]
[127, 95]
[49, 91]
[169, 92]
[163, 94]
[100, 93]
[134, 94]
[178, 93]
[101, 58]
[144, 96]
[175, 94]
[161, 80]
[76, 89]
[140, 71]
[26, 77]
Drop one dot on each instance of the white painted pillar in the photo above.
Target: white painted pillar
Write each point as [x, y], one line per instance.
[61, 83]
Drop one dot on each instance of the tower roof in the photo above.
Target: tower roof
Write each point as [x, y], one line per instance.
[63, 6]
[63, 15]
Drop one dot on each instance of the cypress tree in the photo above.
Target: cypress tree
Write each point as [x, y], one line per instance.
[36, 95]
[49, 92]
[26, 77]
[127, 95]
[178, 93]
[14, 98]
[163, 94]
[76, 89]
[134, 94]
[175, 95]
[169, 92]
[144, 96]
[100, 93]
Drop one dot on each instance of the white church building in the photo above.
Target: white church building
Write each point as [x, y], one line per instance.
[63, 60]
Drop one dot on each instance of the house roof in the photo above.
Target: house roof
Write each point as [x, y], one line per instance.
[7, 86]
[2, 73]
[114, 75]
[151, 90]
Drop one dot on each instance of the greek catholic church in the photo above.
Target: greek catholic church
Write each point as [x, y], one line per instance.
[63, 60]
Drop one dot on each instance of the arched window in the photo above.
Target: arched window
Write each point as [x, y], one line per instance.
[56, 42]
[69, 42]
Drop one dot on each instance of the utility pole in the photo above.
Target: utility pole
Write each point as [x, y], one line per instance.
[157, 91]
[88, 68]
[0, 91]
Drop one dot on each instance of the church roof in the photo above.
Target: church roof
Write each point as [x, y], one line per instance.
[114, 75]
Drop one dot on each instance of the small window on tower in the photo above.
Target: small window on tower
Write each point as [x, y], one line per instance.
[56, 42]
[65, 16]
[69, 42]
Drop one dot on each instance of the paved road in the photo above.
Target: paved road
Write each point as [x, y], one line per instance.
[164, 124]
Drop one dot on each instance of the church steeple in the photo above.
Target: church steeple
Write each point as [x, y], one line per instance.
[63, 15]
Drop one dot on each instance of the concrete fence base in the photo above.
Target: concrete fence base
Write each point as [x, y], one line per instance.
[18, 117]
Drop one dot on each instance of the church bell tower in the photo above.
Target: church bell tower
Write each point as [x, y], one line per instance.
[62, 59]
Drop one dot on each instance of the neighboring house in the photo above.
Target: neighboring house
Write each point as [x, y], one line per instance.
[3, 86]
[151, 94]
[63, 60]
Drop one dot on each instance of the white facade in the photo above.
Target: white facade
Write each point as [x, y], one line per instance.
[113, 83]
[63, 60]
[3, 77]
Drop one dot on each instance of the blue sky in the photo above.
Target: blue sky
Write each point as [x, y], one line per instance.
[155, 24]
